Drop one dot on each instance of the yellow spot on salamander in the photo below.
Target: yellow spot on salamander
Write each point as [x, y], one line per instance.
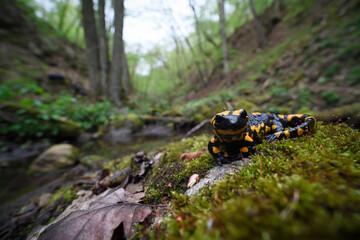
[237, 112]
[281, 115]
[212, 140]
[287, 134]
[244, 149]
[255, 128]
[224, 113]
[216, 150]
[248, 139]
[226, 154]
[267, 129]
[289, 117]
[277, 134]
[273, 127]
[212, 121]
[300, 131]
[256, 113]
[262, 125]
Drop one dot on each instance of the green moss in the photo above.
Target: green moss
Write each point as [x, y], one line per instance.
[172, 174]
[354, 75]
[118, 164]
[300, 189]
[67, 193]
[331, 97]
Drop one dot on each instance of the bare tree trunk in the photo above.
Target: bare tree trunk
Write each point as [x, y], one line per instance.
[259, 29]
[103, 48]
[117, 66]
[224, 43]
[198, 34]
[91, 41]
[125, 74]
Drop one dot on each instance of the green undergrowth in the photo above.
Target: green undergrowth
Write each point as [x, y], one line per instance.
[294, 189]
[172, 174]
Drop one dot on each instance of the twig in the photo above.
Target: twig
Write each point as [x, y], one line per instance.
[194, 129]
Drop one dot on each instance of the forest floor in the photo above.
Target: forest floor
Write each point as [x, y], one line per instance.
[296, 188]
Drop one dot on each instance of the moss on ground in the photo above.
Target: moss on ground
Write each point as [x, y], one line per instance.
[294, 189]
[68, 194]
[172, 174]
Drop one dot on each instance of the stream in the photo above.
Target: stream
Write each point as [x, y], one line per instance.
[17, 187]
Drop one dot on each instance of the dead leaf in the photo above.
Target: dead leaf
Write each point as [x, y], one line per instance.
[192, 155]
[97, 219]
[192, 180]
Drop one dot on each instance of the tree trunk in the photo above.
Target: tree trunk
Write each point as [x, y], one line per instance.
[224, 43]
[125, 73]
[259, 29]
[91, 41]
[103, 48]
[118, 65]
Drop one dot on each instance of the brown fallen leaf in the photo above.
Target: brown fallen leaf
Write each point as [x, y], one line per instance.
[97, 219]
[192, 155]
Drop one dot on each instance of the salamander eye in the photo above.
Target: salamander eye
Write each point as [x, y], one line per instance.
[219, 119]
[243, 113]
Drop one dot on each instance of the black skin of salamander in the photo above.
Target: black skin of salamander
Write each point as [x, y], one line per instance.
[256, 126]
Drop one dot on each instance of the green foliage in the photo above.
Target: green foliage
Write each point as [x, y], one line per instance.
[14, 88]
[292, 190]
[354, 75]
[350, 51]
[297, 7]
[332, 70]
[227, 95]
[331, 97]
[40, 122]
[279, 92]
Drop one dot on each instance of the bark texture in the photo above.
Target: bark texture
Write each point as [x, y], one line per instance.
[224, 43]
[119, 82]
[103, 48]
[259, 29]
[92, 46]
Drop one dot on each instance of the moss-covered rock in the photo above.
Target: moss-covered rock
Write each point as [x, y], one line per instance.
[56, 157]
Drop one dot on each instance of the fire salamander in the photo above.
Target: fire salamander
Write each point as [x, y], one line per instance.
[237, 132]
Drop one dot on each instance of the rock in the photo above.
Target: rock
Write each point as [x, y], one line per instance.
[216, 174]
[118, 178]
[134, 188]
[44, 200]
[140, 165]
[91, 160]
[56, 157]
[156, 158]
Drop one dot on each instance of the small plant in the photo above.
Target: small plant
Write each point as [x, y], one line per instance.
[331, 97]
[322, 80]
[354, 75]
[332, 70]
[227, 95]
